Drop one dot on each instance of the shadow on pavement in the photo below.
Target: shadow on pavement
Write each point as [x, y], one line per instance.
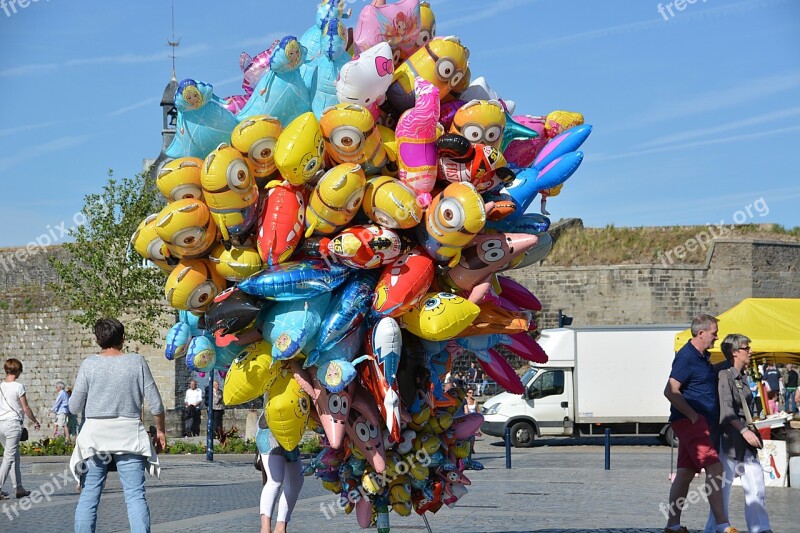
[589, 441]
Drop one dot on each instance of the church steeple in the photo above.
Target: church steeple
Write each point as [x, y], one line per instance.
[169, 113]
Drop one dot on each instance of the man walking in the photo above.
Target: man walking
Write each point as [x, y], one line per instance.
[694, 415]
[791, 388]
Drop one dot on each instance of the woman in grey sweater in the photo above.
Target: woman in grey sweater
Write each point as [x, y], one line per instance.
[110, 389]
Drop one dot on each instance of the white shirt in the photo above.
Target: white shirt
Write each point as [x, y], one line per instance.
[10, 407]
[194, 397]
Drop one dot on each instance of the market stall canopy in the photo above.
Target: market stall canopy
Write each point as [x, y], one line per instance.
[772, 324]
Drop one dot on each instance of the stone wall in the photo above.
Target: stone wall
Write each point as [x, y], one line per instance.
[52, 347]
[657, 294]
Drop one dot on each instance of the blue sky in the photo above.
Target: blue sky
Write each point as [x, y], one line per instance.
[695, 113]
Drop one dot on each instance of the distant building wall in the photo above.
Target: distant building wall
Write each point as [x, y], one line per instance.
[655, 294]
[52, 347]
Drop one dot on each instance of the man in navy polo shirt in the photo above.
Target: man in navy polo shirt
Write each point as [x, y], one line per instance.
[694, 414]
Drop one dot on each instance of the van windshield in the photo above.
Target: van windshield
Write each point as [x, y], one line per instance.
[528, 376]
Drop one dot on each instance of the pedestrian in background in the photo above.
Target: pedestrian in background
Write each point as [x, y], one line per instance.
[791, 388]
[61, 409]
[110, 389]
[282, 475]
[738, 444]
[192, 402]
[772, 378]
[218, 409]
[13, 408]
[692, 392]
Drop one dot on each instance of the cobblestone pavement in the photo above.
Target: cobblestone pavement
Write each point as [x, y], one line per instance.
[554, 487]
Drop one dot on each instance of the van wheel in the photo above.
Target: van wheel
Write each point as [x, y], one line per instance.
[668, 437]
[522, 435]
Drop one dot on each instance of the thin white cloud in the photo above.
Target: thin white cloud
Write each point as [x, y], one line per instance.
[122, 59]
[27, 127]
[36, 152]
[132, 107]
[697, 144]
[720, 98]
[740, 125]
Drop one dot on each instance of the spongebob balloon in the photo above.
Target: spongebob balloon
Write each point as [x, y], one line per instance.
[440, 316]
[287, 409]
[299, 150]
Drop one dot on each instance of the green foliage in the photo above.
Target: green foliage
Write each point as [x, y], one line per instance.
[311, 445]
[101, 275]
[57, 446]
[236, 445]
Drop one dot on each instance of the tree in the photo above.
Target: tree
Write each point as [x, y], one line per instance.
[101, 275]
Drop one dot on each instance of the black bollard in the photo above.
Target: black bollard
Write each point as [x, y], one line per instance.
[210, 421]
[508, 447]
[608, 448]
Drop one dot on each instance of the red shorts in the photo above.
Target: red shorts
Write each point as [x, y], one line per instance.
[695, 449]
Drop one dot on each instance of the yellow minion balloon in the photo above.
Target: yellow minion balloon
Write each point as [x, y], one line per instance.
[480, 121]
[236, 263]
[452, 220]
[186, 227]
[336, 199]
[427, 27]
[298, 152]
[149, 245]
[193, 285]
[230, 190]
[255, 138]
[180, 178]
[391, 203]
[287, 409]
[351, 136]
[442, 61]
[251, 374]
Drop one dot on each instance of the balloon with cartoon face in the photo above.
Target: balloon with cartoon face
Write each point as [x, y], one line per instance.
[192, 285]
[299, 150]
[287, 409]
[440, 316]
[180, 178]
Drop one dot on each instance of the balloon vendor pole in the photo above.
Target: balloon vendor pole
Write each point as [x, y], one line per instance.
[210, 421]
[427, 525]
[608, 448]
[508, 447]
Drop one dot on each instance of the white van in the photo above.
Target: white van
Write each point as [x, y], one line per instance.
[596, 378]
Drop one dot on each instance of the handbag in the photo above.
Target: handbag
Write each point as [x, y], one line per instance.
[23, 436]
[749, 419]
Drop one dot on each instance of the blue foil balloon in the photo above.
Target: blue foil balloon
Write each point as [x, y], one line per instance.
[348, 309]
[203, 121]
[295, 280]
[346, 349]
[290, 326]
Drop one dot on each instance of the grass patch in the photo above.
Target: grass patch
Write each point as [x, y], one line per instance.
[579, 246]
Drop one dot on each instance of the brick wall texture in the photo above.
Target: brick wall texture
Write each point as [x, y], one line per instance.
[52, 347]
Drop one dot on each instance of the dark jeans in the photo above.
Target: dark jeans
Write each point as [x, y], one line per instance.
[217, 421]
[191, 421]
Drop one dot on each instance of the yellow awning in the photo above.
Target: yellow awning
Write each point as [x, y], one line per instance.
[772, 324]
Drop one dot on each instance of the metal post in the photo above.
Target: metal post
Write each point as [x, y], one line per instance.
[210, 422]
[561, 318]
[608, 448]
[508, 447]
